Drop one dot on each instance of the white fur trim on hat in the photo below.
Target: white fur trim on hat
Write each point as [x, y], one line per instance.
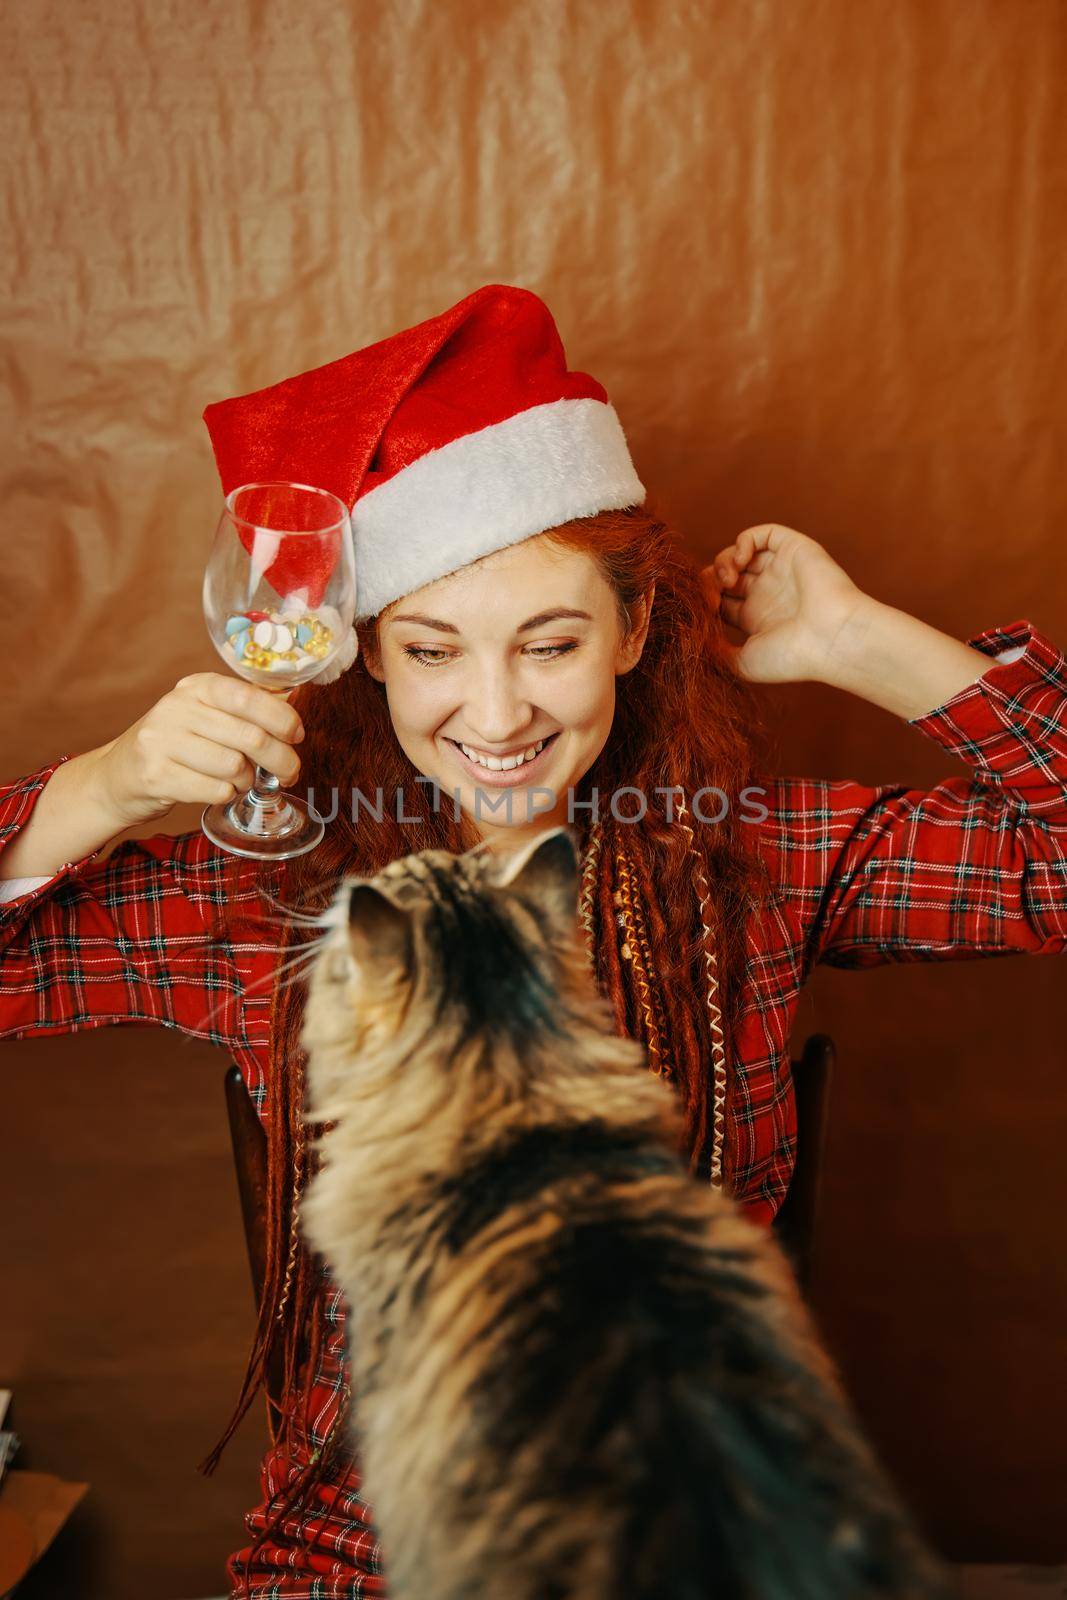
[487, 490]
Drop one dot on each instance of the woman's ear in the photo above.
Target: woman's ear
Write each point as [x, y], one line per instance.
[372, 656]
[629, 653]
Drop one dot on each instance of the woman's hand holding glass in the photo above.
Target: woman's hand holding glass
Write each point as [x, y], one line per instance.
[200, 743]
[279, 600]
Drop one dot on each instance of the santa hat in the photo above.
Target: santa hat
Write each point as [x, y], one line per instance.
[459, 436]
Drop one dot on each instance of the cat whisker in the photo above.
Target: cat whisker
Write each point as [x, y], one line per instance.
[303, 957]
[292, 917]
[294, 922]
[294, 971]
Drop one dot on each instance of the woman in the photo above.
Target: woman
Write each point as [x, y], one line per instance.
[520, 595]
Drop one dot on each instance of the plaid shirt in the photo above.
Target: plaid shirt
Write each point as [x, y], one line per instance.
[976, 866]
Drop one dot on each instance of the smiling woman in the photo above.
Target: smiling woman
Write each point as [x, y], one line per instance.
[512, 701]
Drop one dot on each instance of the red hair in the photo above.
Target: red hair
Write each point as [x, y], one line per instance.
[683, 719]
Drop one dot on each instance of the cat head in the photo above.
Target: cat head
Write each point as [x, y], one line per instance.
[462, 902]
[470, 954]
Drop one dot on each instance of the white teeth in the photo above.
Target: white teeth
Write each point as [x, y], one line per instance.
[502, 764]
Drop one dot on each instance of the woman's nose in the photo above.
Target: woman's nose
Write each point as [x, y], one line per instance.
[496, 710]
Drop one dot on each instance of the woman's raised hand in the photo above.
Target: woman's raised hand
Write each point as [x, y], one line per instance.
[201, 742]
[787, 595]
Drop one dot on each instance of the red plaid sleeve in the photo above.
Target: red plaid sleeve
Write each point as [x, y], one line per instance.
[123, 940]
[976, 866]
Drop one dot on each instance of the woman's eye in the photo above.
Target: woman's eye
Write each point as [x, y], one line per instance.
[548, 652]
[427, 656]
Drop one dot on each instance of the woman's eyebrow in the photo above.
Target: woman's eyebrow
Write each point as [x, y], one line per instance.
[524, 627]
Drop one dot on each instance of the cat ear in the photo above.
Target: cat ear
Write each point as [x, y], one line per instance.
[547, 869]
[379, 930]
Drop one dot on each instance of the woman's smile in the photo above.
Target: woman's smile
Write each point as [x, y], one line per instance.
[505, 777]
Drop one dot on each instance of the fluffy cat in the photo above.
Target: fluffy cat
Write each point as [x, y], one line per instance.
[577, 1371]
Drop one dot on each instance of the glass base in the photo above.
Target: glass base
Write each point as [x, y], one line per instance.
[266, 830]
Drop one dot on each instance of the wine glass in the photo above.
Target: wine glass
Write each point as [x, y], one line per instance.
[279, 599]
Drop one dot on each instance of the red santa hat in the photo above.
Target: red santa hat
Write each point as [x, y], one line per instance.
[459, 436]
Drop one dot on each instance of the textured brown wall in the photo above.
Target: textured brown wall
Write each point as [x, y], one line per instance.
[815, 252]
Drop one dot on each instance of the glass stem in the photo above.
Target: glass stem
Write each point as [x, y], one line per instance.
[264, 809]
[265, 789]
